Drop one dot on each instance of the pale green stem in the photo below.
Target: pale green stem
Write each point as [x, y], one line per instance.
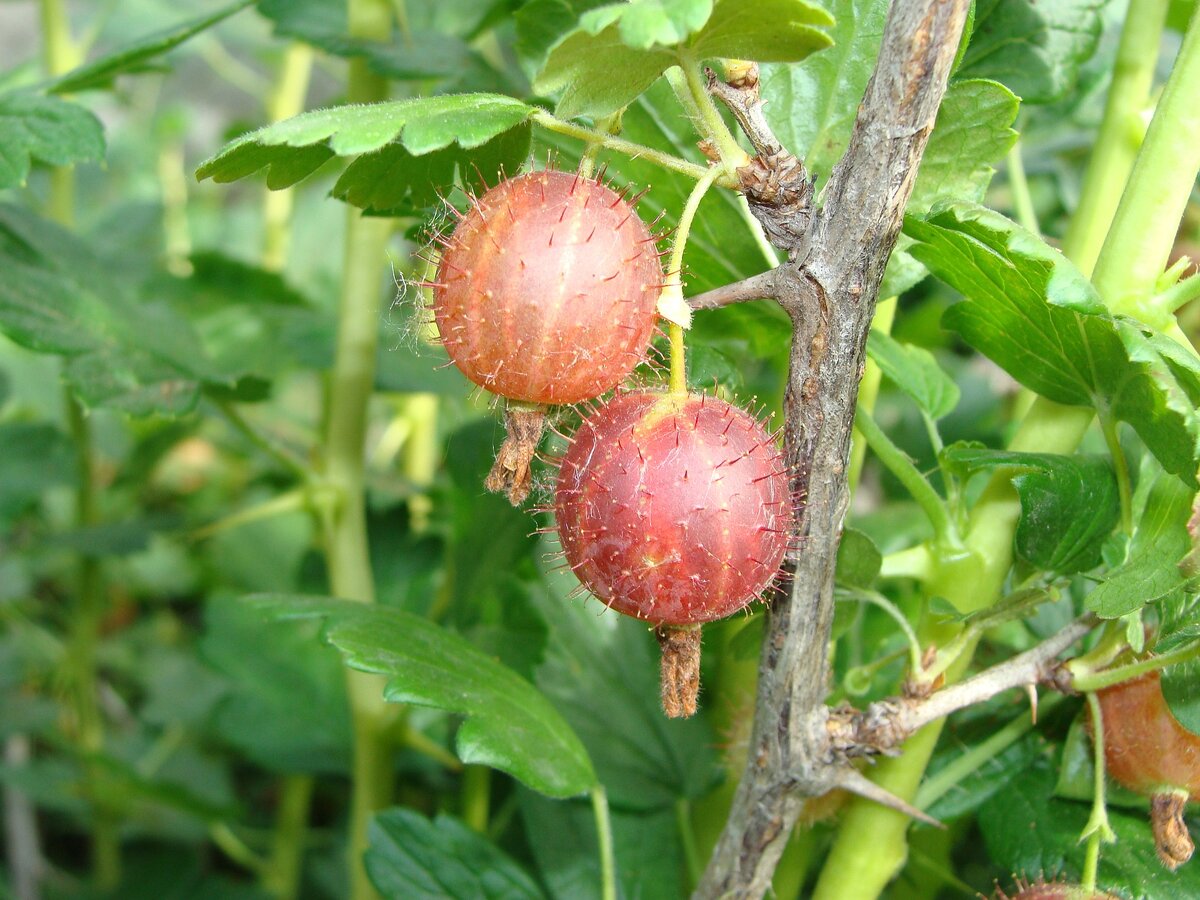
[286, 100]
[687, 837]
[420, 454]
[877, 599]
[629, 148]
[1098, 681]
[173, 183]
[608, 865]
[901, 465]
[1143, 232]
[710, 123]
[281, 875]
[1097, 829]
[675, 276]
[1018, 185]
[279, 453]
[1178, 295]
[610, 125]
[868, 388]
[912, 562]
[476, 796]
[1120, 133]
[235, 848]
[351, 383]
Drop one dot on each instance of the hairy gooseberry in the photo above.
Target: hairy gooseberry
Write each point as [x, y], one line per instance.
[673, 509]
[1053, 890]
[1148, 751]
[546, 294]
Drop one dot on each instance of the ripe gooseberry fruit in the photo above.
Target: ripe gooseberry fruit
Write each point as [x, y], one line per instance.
[546, 294]
[674, 509]
[1053, 890]
[1148, 751]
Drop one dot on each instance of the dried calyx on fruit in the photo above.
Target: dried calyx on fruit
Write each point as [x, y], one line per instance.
[1148, 751]
[674, 509]
[1052, 890]
[546, 294]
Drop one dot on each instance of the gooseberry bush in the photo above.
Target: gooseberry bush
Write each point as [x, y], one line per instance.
[395, 398]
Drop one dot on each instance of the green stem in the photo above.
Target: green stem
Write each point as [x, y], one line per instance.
[674, 287]
[60, 55]
[1139, 243]
[1100, 680]
[687, 837]
[913, 562]
[868, 388]
[420, 455]
[629, 148]
[937, 786]
[1018, 185]
[281, 875]
[610, 125]
[1097, 829]
[287, 98]
[710, 124]
[1178, 295]
[476, 796]
[1108, 425]
[914, 646]
[608, 865]
[1120, 134]
[280, 454]
[901, 465]
[227, 841]
[351, 383]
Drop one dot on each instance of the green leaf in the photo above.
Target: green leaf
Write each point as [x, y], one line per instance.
[601, 671]
[646, 845]
[619, 50]
[405, 147]
[1069, 504]
[914, 371]
[33, 457]
[135, 56]
[1035, 48]
[57, 297]
[1181, 682]
[510, 725]
[410, 856]
[1029, 310]
[973, 132]
[1028, 830]
[1150, 571]
[858, 559]
[284, 703]
[47, 129]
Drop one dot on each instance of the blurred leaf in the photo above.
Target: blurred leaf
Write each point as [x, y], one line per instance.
[602, 673]
[135, 57]
[1162, 505]
[57, 297]
[285, 705]
[387, 137]
[1069, 504]
[1030, 311]
[33, 457]
[543, 23]
[410, 856]
[620, 49]
[509, 726]
[858, 559]
[46, 129]
[1035, 48]
[1027, 830]
[915, 371]
[646, 846]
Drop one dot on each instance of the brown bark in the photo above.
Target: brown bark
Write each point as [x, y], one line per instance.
[829, 286]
